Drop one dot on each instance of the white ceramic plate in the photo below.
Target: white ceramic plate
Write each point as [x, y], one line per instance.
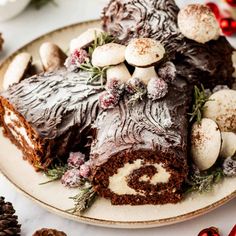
[55, 197]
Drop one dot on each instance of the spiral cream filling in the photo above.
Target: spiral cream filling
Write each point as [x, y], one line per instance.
[118, 182]
[19, 132]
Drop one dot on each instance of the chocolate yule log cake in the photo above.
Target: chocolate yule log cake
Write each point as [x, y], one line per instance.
[50, 115]
[116, 115]
[140, 153]
[203, 61]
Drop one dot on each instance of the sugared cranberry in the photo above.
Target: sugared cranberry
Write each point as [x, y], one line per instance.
[157, 88]
[229, 166]
[76, 159]
[85, 170]
[77, 58]
[71, 178]
[115, 86]
[108, 100]
[167, 72]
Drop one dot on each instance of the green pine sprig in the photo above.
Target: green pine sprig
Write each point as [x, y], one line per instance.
[101, 39]
[84, 199]
[137, 96]
[200, 98]
[205, 180]
[41, 3]
[97, 74]
[55, 173]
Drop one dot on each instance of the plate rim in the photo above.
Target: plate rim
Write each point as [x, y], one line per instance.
[101, 222]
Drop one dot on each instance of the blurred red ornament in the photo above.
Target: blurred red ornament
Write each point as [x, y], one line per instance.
[215, 9]
[212, 231]
[233, 232]
[228, 26]
[232, 3]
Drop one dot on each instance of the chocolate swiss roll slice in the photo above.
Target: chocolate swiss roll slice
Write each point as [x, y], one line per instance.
[139, 155]
[49, 115]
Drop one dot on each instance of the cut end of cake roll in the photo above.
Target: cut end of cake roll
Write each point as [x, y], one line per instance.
[141, 177]
[17, 129]
[49, 115]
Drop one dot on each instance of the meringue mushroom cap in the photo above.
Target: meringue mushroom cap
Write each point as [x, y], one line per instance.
[52, 56]
[119, 72]
[17, 69]
[205, 143]
[108, 54]
[198, 22]
[144, 52]
[221, 108]
[228, 148]
[84, 39]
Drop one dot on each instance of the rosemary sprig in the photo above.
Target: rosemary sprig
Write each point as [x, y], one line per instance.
[101, 39]
[97, 74]
[200, 98]
[55, 173]
[138, 96]
[205, 180]
[84, 199]
[41, 3]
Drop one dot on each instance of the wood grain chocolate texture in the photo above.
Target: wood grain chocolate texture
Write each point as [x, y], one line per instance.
[49, 115]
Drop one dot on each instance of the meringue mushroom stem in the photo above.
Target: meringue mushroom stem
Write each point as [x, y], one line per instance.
[119, 72]
[144, 74]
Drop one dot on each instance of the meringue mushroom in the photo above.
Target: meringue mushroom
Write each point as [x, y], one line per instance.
[113, 55]
[85, 39]
[17, 69]
[198, 22]
[205, 143]
[144, 53]
[221, 108]
[120, 72]
[108, 54]
[228, 148]
[52, 56]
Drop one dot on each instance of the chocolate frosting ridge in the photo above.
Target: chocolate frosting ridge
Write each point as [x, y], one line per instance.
[53, 103]
[208, 63]
[126, 19]
[155, 125]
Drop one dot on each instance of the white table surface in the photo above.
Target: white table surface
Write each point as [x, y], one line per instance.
[29, 25]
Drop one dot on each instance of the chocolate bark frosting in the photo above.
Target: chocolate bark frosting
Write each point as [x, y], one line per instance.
[127, 19]
[208, 63]
[57, 111]
[57, 101]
